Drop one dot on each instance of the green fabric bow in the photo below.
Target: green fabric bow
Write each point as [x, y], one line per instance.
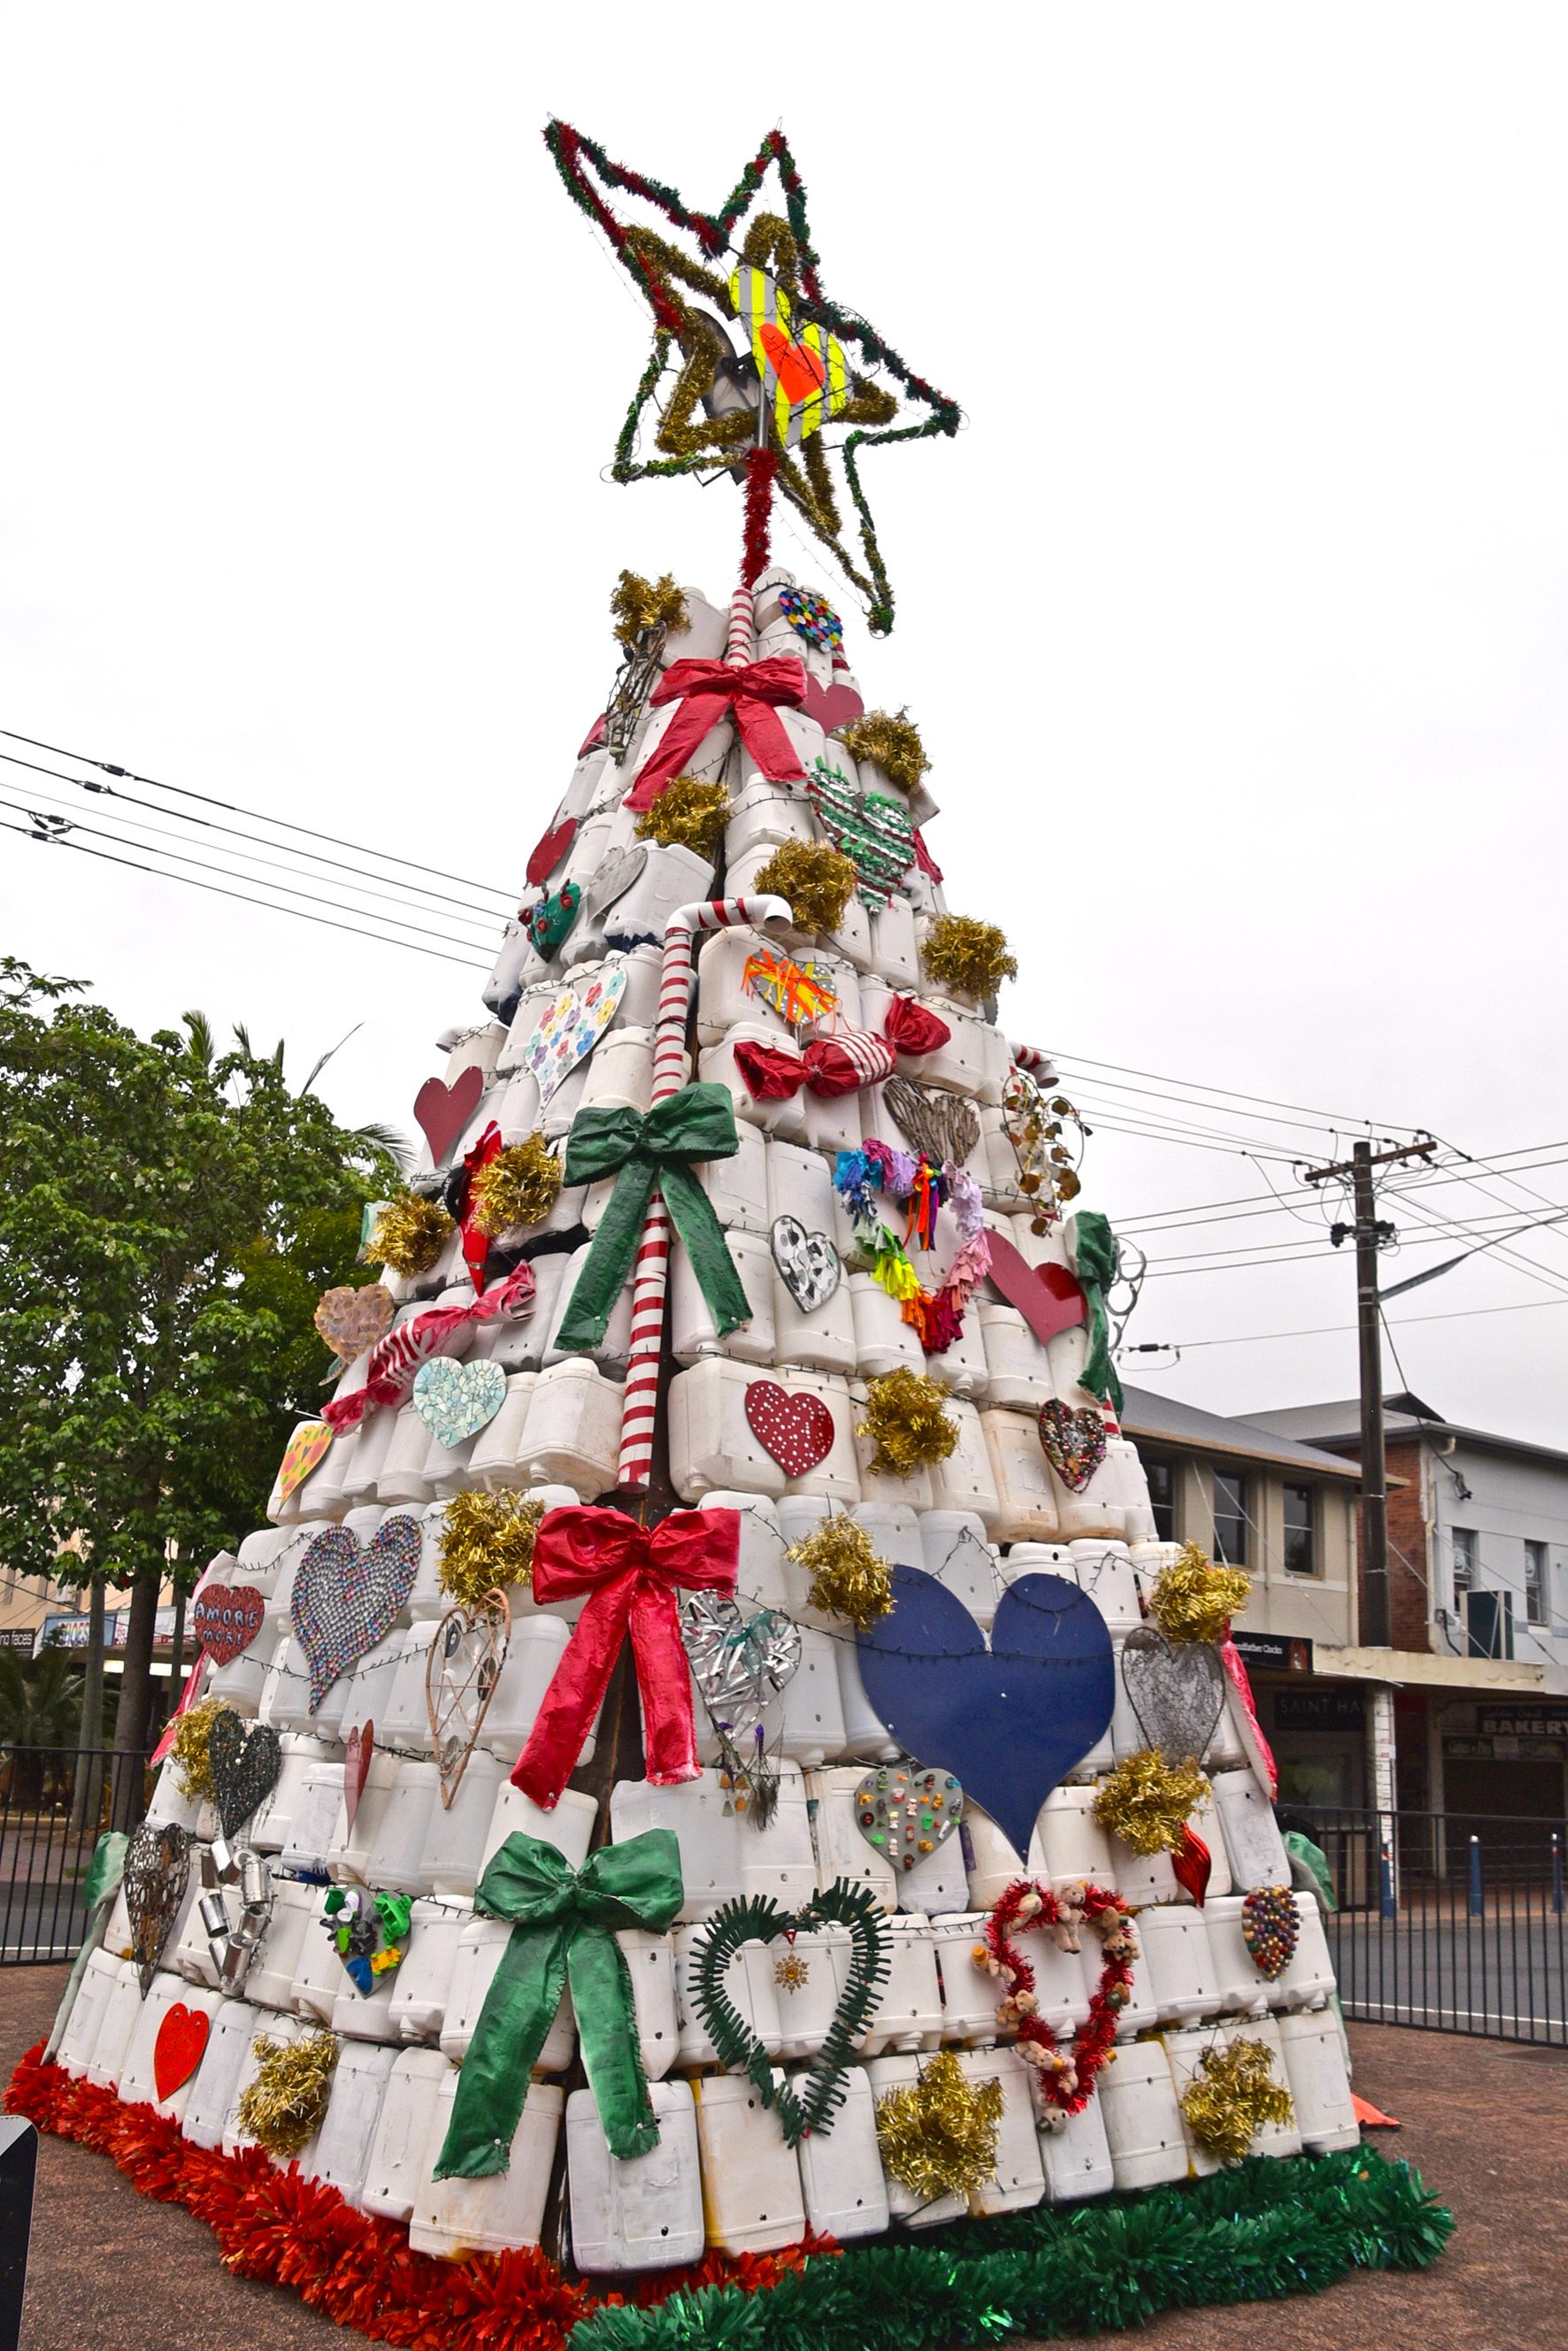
[100, 1887]
[640, 1149]
[1094, 1258]
[563, 1934]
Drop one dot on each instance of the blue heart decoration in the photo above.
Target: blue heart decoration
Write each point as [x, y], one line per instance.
[1009, 1719]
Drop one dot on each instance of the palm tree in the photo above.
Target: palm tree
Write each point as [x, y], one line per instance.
[40, 1702]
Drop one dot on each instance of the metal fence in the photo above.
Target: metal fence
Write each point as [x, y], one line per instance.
[1451, 1920]
[55, 1803]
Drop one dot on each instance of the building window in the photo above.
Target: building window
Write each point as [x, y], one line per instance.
[1536, 1611]
[1229, 1518]
[1300, 1532]
[1464, 1565]
[1161, 1476]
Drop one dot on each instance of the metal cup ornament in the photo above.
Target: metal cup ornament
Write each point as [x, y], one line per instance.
[235, 1908]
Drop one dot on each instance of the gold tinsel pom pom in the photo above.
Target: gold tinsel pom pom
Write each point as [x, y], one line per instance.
[486, 1543]
[687, 814]
[1193, 1600]
[286, 2104]
[848, 1576]
[818, 882]
[1230, 2096]
[1147, 1801]
[410, 1234]
[636, 604]
[189, 1754]
[940, 2137]
[520, 1186]
[970, 957]
[893, 742]
[904, 1416]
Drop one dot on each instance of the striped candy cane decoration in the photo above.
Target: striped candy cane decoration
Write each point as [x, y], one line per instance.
[742, 645]
[650, 1269]
[1033, 1063]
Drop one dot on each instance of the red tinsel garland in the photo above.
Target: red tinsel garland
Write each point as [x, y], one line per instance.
[360, 2271]
[1067, 2083]
[761, 464]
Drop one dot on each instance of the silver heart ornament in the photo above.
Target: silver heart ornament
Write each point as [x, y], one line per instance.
[807, 1263]
[1175, 1689]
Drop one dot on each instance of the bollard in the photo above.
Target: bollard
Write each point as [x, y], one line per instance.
[1557, 1873]
[1475, 1877]
[1385, 1902]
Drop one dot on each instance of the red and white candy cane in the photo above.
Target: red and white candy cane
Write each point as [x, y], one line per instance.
[1033, 1063]
[650, 1269]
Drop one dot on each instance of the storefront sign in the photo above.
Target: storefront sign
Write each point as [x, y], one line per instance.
[1507, 1747]
[1529, 1721]
[16, 1636]
[1322, 1709]
[1278, 1653]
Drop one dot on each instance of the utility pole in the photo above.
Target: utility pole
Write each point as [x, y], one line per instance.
[1376, 1628]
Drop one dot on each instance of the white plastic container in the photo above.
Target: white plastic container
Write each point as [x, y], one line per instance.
[1026, 1491]
[1019, 2181]
[842, 1851]
[284, 2030]
[538, 1642]
[1071, 1844]
[1252, 1840]
[908, 2010]
[454, 1839]
[1320, 2086]
[751, 2180]
[955, 1550]
[569, 1828]
[1138, 2101]
[749, 1982]
[98, 1977]
[969, 1993]
[966, 1481]
[395, 2160]
[1243, 1991]
[487, 2216]
[138, 2083]
[573, 1435]
[644, 2213]
[480, 1946]
[269, 1979]
[234, 2025]
[611, 1352]
[693, 1332]
[1180, 1966]
[1060, 1979]
[738, 1186]
[498, 1459]
[706, 1833]
[343, 2143]
[841, 2170]
[121, 2011]
[717, 1065]
[711, 1444]
[1075, 2154]
[901, 2073]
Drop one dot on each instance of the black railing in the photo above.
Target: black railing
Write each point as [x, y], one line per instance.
[1452, 1920]
[55, 1803]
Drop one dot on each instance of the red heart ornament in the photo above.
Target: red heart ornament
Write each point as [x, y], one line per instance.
[358, 1748]
[831, 707]
[801, 370]
[226, 1619]
[443, 1111]
[551, 849]
[797, 1431]
[1047, 1296]
[178, 2050]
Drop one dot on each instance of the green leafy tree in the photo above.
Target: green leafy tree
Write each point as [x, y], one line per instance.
[169, 1217]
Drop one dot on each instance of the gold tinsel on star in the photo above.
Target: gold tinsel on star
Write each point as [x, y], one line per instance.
[486, 1543]
[636, 604]
[970, 957]
[286, 2104]
[1147, 1801]
[893, 742]
[818, 882]
[189, 1754]
[848, 1576]
[905, 1418]
[687, 814]
[409, 1234]
[1231, 2097]
[939, 2135]
[521, 1187]
[1193, 1600]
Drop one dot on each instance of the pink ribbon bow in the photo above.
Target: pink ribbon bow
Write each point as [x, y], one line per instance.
[703, 689]
[395, 1359]
[631, 1574]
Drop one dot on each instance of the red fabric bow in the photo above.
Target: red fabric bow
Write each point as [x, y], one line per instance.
[477, 1244]
[910, 1027]
[703, 689]
[631, 1574]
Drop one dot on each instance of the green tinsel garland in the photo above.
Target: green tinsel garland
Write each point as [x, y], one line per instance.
[1254, 2234]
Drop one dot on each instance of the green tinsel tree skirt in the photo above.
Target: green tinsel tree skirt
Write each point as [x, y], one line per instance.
[1265, 2229]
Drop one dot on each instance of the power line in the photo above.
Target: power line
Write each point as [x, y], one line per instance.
[1327, 1330]
[1329, 1119]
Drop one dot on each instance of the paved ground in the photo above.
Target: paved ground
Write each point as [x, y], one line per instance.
[1484, 2121]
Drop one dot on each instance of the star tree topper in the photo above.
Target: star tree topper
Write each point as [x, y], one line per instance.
[751, 355]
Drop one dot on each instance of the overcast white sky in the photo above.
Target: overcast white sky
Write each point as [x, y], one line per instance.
[1234, 621]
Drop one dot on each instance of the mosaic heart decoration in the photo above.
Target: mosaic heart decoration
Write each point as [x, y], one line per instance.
[796, 1431]
[871, 830]
[549, 924]
[1074, 1441]
[369, 1932]
[614, 877]
[813, 618]
[157, 1872]
[1047, 1296]
[461, 1671]
[1269, 1927]
[358, 1748]
[941, 1125]
[833, 706]
[244, 1762]
[807, 1263]
[352, 1320]
[226, 1619]
[1175, 1689]
[443, 1111]
[549, 852]
[904, 1812]
[1011, 1721]
[178, 2050]
[570, 1027]
[304, 1449]
[456, 1400]
[347, 1596]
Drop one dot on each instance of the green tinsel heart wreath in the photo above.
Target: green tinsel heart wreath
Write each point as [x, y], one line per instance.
[760, 1920]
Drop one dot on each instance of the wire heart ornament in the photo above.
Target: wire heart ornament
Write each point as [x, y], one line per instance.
[1074, 1441]
[245, 1764]
[941, 1125]
[808, 1265]
[1175, 1689]
[461, 1672]
[157, 1872]
[905, 1812]
[738, 1662]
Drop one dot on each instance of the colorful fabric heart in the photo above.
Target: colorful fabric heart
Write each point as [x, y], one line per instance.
[358, 1751]
[796, 1430]
[443, 1111]
[550, 922]
[1011, 1721]
[905, 1813]
[226, 1619]
[303, 1451]
[456, 1400]
[347, 1596]
[179, 2047]
[369, 1932]
[614, 877]
[352, 1320]
[549, 852]
[157, 1872]
[1175, 1689]
[462, 1668]
[1047, 1296]
[570, 1025]
[871, 830]
[805, 375]
[807, 1263]
[1270, 1925]
[244, 1761]
[812, 617]
[1074, 1441]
